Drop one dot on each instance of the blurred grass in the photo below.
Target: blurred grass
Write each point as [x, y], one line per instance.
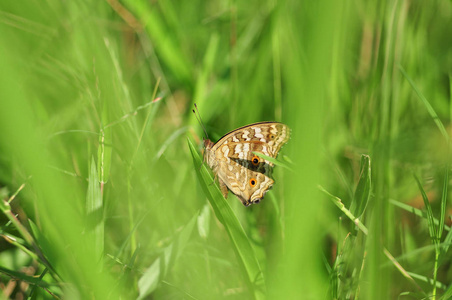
[100, 186]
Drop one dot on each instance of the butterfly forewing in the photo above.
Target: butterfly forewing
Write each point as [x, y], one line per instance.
[264, 137]
[232, 159]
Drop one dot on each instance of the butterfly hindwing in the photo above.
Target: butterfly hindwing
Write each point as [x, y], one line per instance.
[252, 187]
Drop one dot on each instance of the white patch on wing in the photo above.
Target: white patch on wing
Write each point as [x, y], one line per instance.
[246, 148]
[225, 150]
[238, 150]
[245, 135]
[258, 134]
[235, 140]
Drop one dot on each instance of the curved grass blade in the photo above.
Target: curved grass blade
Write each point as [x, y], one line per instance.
[238, 237]
[273, 160]
[416, 212]
[35, 281]
[427, 104]
[431, 223]
[443, 210]
[363, 189]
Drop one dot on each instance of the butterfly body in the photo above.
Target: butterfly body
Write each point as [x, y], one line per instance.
[235, 165]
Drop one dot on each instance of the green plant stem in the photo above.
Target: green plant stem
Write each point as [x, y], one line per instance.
[435, 271]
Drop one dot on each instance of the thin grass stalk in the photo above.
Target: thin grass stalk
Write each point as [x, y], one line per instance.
[234, 60]
[440, 227]
[277, 94]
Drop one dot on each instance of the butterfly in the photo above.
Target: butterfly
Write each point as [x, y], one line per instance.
[237, 168]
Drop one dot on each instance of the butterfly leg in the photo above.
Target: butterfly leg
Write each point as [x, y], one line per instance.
[223, 188]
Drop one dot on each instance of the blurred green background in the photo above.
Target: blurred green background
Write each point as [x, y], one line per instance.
[103, 196]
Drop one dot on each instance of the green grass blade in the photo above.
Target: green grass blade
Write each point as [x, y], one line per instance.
[429, 107]
[338, 202]
[448, 239]
[448, 294]
[204, 222]
[237, 235]
[363, 189]
[415, 211]
[273, 160]
[94, 211]
[128, 238]
[169, 50]
[104, 155]
[17, 242]
[443, 202]
[430, 219]
[202, 82]
[21, 276]
[105, 137]
[445, 246]
[428, 280]
[174, 136]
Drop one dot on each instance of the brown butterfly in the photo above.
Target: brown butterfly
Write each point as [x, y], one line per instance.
[235, 165]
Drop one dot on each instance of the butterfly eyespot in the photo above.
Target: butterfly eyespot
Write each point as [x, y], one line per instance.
[255, 160]
[272, 136]
[253, 182]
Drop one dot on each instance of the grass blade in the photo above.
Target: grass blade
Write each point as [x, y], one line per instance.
[430, 218]
[448, 293]
[443, 203]
[23, 277]
[427, 104]
[94, 211]
[416, 212]
[273, 160]
[363, 189]
[237, 235]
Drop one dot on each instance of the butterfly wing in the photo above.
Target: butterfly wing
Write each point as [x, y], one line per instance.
[247, 175]
[250, 189]
[267, 138]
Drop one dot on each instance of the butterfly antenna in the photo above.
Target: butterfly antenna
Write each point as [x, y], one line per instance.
[198, 117]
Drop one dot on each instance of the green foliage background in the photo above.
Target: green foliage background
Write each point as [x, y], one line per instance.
[102, 196]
